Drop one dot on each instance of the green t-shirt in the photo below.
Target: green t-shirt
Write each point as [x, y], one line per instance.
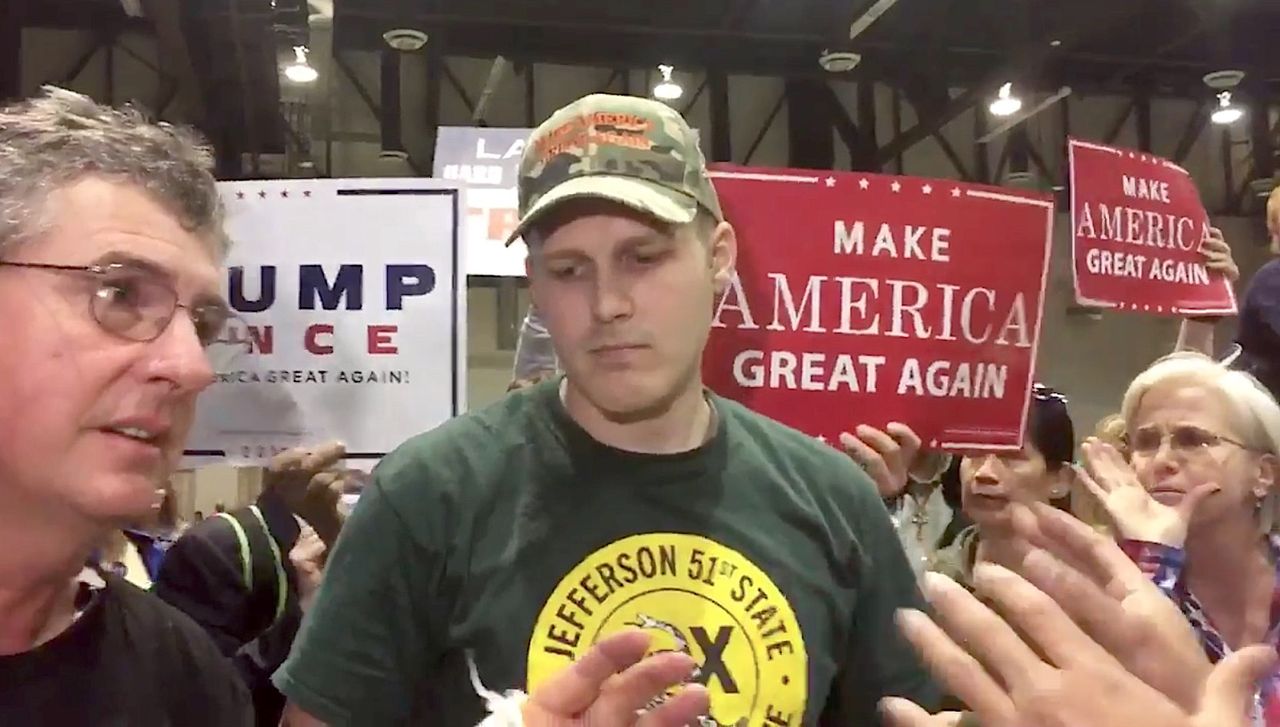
[510, 536]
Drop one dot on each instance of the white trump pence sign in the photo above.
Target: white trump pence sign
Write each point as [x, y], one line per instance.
[350, 301]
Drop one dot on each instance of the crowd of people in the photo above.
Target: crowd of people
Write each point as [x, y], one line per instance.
[611, 543]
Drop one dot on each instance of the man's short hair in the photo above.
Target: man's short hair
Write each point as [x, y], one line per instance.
[59, 137]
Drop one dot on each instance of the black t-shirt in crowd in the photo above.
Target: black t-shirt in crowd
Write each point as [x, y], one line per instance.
[130, 660]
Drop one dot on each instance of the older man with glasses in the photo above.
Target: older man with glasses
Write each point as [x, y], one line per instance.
[110, 247]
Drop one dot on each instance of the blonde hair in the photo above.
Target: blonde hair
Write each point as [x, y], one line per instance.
[1254, 409]
[1084, 505]
[1111, 430]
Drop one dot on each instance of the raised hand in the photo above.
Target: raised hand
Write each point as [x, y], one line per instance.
[310, 482]
[1040, 668]
[887, 457]
[1091, 579]
[1136, 514]
[1217, 255]
[612, 682]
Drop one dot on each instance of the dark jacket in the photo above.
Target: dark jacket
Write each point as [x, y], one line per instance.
[228, 579]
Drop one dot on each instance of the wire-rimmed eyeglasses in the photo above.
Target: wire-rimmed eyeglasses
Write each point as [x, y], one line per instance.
[136, 304]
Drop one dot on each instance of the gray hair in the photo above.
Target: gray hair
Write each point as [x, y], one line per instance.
[59, 137]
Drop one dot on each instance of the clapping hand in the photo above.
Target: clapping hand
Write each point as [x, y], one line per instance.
[1084, 640]
[1136, 514]
[611, 684]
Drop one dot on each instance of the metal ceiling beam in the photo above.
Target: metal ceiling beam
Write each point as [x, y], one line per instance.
[461, 90]
[865, 157]
[175, 55]
[1025, 61]
[374, 108]
[1194, 128]
[810, 142]
[718, 88]
[764, 127]
[849, 132]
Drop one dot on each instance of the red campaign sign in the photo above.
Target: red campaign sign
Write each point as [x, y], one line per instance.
[868, 299]
[1137, 225]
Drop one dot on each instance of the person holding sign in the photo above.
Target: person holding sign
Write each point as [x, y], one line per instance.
[1196, 503]
[497, 548]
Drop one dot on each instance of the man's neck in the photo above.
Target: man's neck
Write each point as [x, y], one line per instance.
[40, 558]
[685, 423]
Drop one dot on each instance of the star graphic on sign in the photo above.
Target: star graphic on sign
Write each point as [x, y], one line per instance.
[831, 181]
[239, 195]
[896, 186]
[927, 189]
[306, 193]
[1132, 155]
[284, 193]
[262, 194]
[864, 183]
[933, 444]
[955, 192]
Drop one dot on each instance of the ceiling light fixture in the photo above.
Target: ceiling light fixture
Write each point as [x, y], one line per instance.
[1227, 113]
[1224, 83]
[667, 89]
[300, 71]
[1006, 104]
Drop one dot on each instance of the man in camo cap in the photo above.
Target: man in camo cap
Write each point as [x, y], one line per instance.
[619, 495]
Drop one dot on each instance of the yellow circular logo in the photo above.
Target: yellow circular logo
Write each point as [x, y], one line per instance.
[694, 596]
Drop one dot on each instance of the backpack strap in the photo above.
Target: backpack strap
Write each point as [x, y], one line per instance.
[246, 555]
[254, 537]
[282, 580]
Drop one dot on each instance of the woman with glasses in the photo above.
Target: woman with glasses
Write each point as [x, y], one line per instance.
[1195, 504]
[990, 483]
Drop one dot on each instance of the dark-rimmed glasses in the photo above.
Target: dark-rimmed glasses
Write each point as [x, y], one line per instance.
[137, 304]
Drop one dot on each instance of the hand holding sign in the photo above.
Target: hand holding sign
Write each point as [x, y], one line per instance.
[1218, 257]
[1137, 228]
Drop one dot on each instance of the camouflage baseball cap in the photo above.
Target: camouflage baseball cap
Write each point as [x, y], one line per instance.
[635, 151]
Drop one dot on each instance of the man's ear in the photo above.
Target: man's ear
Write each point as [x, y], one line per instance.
[724, 255]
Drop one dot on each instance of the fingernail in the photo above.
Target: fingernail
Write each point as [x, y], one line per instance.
[936, 584]
[907, 618]
[986, 572]
[1039, 561]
